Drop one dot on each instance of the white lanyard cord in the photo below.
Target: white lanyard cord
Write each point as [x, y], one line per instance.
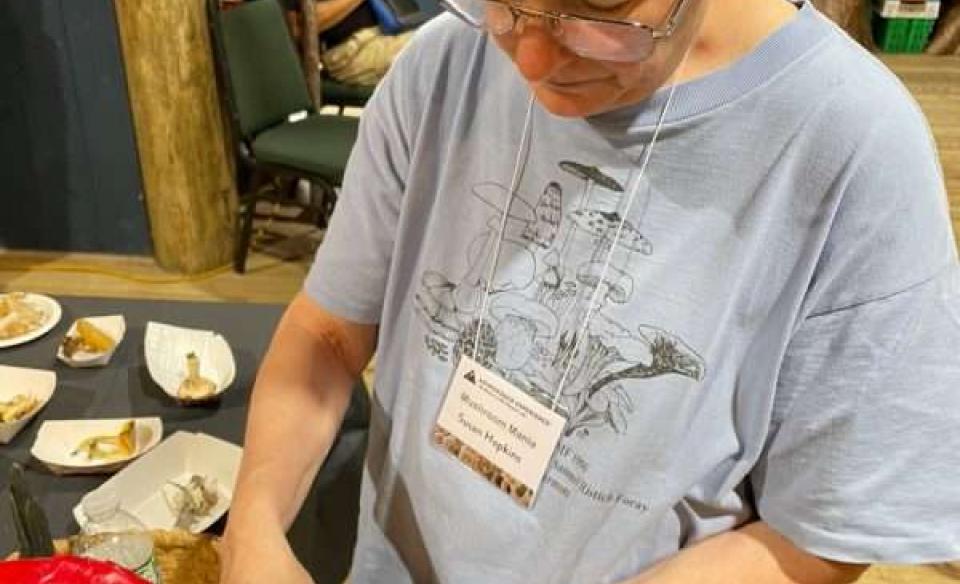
[514, 184]
[648, 151]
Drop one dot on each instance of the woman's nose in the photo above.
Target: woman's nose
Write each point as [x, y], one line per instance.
[537, 52]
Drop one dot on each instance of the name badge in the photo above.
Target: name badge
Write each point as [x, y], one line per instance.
[498, 430]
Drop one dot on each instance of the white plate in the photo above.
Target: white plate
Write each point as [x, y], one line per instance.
[140, 485]
[166, 348]
[57, 439]
[114, 325]
[50, 307]
[16, 380]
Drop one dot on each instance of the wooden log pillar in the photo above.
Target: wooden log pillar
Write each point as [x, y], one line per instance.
[310, 47]
[946, 37]
[852, 15]
[189, 189]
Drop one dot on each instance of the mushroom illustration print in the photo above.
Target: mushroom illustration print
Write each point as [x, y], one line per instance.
[591, 175]
[564, 319]
[520, 324]
[549, 211]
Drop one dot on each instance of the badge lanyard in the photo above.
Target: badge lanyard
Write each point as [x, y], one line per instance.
[487, 422]
[515, 183]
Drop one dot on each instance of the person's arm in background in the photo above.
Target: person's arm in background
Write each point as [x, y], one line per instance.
[753, 553]
[329, 13]
[299, 399]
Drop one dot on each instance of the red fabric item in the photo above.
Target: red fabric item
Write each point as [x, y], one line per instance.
[65, 570]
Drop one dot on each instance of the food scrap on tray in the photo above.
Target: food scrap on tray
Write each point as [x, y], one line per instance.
[87, 338]
[109, 447]
[194, 499]
[195, 386]
[17, 407]
[17, 316]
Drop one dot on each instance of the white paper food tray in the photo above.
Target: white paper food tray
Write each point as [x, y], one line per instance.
[19, 380]
[140, 485]
[166, 348]
[58, 439]
[114, 325]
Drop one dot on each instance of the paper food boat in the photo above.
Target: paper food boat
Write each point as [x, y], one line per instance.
[19, 380]
[115, 326]
[57, 441]
[167, 347]
[140, 485]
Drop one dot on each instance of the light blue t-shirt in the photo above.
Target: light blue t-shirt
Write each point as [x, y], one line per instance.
[778, 335]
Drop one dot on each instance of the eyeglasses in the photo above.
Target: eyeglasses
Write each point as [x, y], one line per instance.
[590, 37]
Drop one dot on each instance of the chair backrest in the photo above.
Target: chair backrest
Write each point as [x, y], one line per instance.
[258, 65]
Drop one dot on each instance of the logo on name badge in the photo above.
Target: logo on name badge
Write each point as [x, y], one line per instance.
[471, 376]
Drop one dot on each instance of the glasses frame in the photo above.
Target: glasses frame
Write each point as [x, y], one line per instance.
[663, 31]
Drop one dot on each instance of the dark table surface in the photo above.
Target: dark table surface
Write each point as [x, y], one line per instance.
[325, 531]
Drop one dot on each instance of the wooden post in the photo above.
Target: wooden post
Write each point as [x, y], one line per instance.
[189, 189]
[852, 15]
[946, 37]
[310, 43]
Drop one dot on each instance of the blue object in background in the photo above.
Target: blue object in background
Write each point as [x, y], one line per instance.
[396, 16]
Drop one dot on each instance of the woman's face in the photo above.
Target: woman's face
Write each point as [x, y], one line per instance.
[574, 86]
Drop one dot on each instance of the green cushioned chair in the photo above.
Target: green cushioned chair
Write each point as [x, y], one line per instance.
[264, 89]
[344, 95]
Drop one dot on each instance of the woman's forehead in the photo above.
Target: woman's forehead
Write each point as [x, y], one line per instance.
[650, 8]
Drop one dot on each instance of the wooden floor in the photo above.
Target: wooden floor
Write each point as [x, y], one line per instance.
[935, 81]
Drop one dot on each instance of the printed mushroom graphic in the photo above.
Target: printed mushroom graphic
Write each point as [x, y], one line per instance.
[550, 278]
[468, 292]
[591, 175]
[617, 285]
[603, 225]
[435, 300]
[669, 355]
[651, 352]
[520, 322]
[548, 212]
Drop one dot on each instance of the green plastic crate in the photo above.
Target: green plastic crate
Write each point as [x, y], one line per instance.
[902, 35]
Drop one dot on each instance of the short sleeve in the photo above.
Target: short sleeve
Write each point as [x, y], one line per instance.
[863, 462]
[350, 270]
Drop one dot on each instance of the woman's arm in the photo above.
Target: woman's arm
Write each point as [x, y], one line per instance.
[753, 553]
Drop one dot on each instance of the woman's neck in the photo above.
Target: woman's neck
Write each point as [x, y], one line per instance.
[732, 29]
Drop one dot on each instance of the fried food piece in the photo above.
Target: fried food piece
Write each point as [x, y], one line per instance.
[19, 317]
[110, 446]
[88, 339]
[16, 408]
[195, 386]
